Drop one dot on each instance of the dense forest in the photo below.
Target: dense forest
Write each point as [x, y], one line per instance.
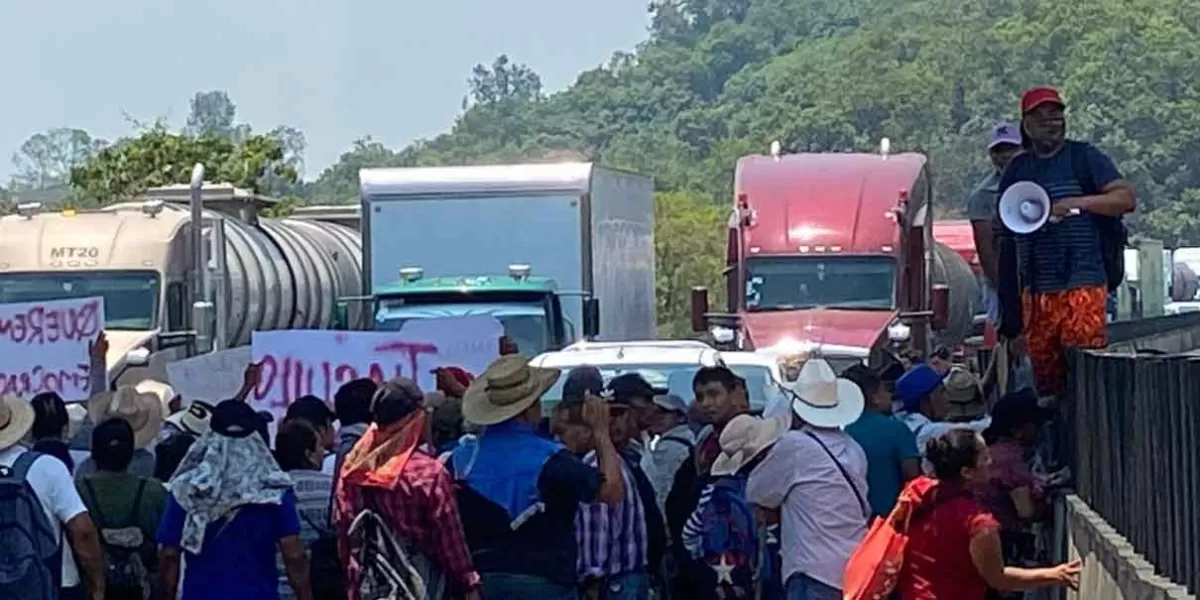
[718, 79]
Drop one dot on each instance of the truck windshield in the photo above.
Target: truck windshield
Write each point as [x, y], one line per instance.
[130, 297]
[820, 281]
[675, 379]
[524, 323]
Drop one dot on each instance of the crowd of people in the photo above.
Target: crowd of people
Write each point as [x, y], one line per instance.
[617, 490]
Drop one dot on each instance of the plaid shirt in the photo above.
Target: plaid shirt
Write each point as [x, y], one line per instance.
[612, 537]
[424, 512]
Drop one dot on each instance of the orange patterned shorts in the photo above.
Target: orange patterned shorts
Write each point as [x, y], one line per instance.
[1056, 321]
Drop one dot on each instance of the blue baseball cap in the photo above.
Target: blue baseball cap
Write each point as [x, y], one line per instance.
[915, 385]
[1004, 132]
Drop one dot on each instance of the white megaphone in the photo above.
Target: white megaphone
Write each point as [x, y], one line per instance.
[1024, 207]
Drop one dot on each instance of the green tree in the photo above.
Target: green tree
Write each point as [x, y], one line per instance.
[45, 159]
[212, 113]
[158, 157]
[689, 241]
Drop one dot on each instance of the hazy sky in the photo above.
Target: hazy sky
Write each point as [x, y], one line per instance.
[393, 69]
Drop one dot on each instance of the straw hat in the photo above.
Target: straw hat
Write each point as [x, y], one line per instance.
[16, 419]
[76, 416]
[142, 410]
[822, 399]
[964, 397]
[744, 438]
[162, 391]
[505, 390]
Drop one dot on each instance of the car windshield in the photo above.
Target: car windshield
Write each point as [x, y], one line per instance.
[820, 281]
[130, 297]
[675, 379]
[525, 324]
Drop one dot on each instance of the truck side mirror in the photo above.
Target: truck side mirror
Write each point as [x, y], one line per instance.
[699, 309]
[941, 307]
[341, 315]
[591, 317]
[204, 316]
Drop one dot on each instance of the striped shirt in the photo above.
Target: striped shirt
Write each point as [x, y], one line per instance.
[313, 491]
[1064, 255]
[611, 537]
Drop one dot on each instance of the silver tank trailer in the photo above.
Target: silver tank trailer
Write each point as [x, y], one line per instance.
[950, 269]
[286, 273]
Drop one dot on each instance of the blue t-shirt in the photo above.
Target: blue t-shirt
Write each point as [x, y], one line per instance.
[236, 561]
[1064, 255]
[887, 442]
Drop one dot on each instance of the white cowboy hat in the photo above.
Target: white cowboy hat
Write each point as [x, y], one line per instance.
[194, 419]
[822, 399]
[744, 438]
[77, 414]
[505, 390]
[16, 419]
[165, 393]
[143, 412]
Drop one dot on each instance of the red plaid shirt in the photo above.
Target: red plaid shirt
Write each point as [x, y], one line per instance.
[423, 510]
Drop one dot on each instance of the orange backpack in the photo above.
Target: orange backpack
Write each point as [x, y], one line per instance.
[874, 567]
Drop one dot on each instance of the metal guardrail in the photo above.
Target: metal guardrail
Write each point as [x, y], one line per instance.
[1126, 331]
[1135, 445]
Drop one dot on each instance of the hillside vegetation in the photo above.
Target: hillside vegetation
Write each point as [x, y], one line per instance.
[718, 79]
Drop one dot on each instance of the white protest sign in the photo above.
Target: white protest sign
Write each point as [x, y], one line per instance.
[44, 346]
[299, 362]
[209, 377]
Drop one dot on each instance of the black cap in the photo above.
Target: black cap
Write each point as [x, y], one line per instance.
[582, 381]
[311, 409]
[1018, 408]
[235, 419]
[625, 388]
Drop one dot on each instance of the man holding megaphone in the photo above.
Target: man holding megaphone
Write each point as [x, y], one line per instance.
[1060, 239]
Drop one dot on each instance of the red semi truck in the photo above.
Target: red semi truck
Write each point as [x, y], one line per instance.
[834, 253]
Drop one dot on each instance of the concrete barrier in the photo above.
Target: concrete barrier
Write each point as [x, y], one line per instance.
[1112, 570]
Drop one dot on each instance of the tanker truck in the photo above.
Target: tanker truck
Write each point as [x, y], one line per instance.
[834, 254]
[259, 274]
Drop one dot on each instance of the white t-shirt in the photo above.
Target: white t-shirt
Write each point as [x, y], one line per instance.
[55, 488]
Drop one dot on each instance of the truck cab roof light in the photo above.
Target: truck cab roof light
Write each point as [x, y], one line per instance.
[885, 147]
[776, 149]
[519, 272]
[411, 273]
[28, 209]
[152, 208]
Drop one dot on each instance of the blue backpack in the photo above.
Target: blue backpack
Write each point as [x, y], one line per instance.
[30, 563]
[730, 543]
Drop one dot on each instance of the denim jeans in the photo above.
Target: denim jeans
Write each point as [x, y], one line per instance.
[516, 586]
[802, 587]
[626, 586]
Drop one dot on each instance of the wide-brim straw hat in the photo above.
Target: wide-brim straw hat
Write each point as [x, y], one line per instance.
[143, 412]
[16, 419]
[194, 420]
[505, 390]
[77, 415]
[744, 438]
[822, 399]
[164, 392]
[964, 396]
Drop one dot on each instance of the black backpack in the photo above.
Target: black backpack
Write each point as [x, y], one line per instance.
[126, 550]
[1114, 236]
[324, 564]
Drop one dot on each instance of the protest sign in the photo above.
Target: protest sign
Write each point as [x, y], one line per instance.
[209, 377]
[300, 362]
[44, 346]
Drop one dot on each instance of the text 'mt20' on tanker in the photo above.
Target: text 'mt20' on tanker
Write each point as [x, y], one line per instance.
[556, 252]
[267, 274]
[833, 254]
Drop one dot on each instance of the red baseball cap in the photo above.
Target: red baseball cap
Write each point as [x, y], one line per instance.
[1035, 97]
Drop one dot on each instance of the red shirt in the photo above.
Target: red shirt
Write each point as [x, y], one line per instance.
[424, 512]
[937, 560]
